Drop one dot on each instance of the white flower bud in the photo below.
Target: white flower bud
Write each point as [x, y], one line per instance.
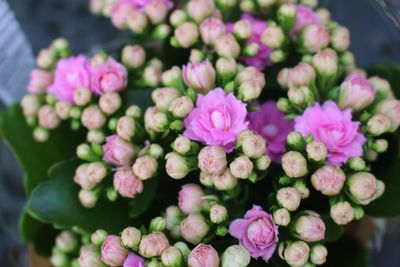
[289, 198]
[241, 167]
[235, 256]
[342, 213]
[318, 254]
[294, 164]
[282, 217]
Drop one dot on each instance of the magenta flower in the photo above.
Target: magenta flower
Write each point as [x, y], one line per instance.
[304, 16]
[133, 260]
[256, 232]
[270, 123]
[70, 74]
[217, 119]
[333, 127]
[109, 77]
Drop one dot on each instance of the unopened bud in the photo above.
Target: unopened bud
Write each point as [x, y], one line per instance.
[133, 56]
[176, 165]
[342, 213]
[302, 188]
[177, 17]
[282, 78]
[318, 254]
[172, 257]
[199, 76]
[316, 151]
[380, 145]
[145, 167]
[186, 34]
[362, 186]
[340, 38]
[253, 145]
[226, 68]
[243, 29]
[96, 172]
[48, 118]
[194, 228]
[152, 76]
[93, 118]
[282, 217]
[295, 141]
[212, 160]
[182, 144]
[297, 253]
[211, 29]
[263, 162]
[289, 198]
[273, 37]
[391, 109]
[313, 38]
[173, 216]
[381, 86]
[46, 58]
[294, 164]
[200, 9]
[63, 109]
[227, 46]
[287, 16]
[137, 22]
[218, 213]
[301, 75]
[87, 198]
[206, 179]
[357, 164]
[153, 245]
[134, 112]
[158, 224]
[98, 237]
[225, 181]
[378, 124]
[325, 63]
[181, 106]
[241, 167]
[310, 227]
[235, 256]
[328, 180]
[66, 241]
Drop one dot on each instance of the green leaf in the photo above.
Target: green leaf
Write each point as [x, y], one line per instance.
[56, 201]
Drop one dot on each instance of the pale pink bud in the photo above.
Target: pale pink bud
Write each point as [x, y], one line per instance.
[173, 216]
[134, 111]
[96, 6]
[316, 151]
[88, 257]
[152, 75]
[342, 213]
[154, 120]
[226, 67]
[356, 92]
[391, 109]
[95, 136]
[206, 179]
[66, 241]
[282, 78]
[110, 103]
[310, 227]
[235, 256]
[98, 237]
[362, 186]
[145, 167]
[112, 251]
[241, 167]
[273, 37]
[156, 11]
[294, 164]
[46, 58]
[163, 97]
[82, 96]
[126, 127]
[48, 118]
[39, 81]
[211, 29]
[87, 198]
[340, 38]
[177, 17]
[326, 62]
[263, 162]
[328, 180]
[172, 257]
[282, 217]
[200, 9]
[212, 160]
[251, 74]
[249, 91]
[243, 29]
[153, 245]
[117, 151]
[301, 75]
[199, 76]
[324, 14]
[96, 172]
[181, 106]
[191, 198]
[378, 124]
[93, 118]
[30, 105]
[381, 86]
[227, 46]
[130, 238]
[194, 228]
[62, 109]
[218, 213]
[187, 34]
[133, 56]
[126, 183]
[289, 198]
[137, 22]
[203, 256]
[176, 165]
[297, 253]
[314, 37]
[225, 181]
[82, 178]
[182, 144]
[318, 254]
[296, 96]
[253, 145]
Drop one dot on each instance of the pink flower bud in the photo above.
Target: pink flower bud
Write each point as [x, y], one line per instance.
[82, 178]
[226, 67]
[133, 260]
[112, 251]
[66, 241]
[342, 213]
[282, 78]
[126, 183]
[310, 227]
[297, 253]
[177, 17]
[117, 151]
[30, 105]
[326, 62]
[87, 198]
[200, 9]
[211, 29]
[203, 256]
[199, 76]
[172, 257]
[93, 118]
[273, 37]
[156, 11]
[218, 213]
[250, 74]
[191, 198]
[82, 96]
[62, 109]
[39, 81]
[328, 180]
[253, 145]
[356, 92]
[225, 181]
[88, 257]
[110, 102]
[181, 106]
[130, 238]
[318, 254]
[96, 172]
[126, 127]
[46, 58]
[391, 109]
[194, 228]
[108, 77]
[95, 136]
[314, 37]
[241, 167]
[362, 186]
[163, 97]
[294, 164]
[227, 46]
[137, 22]
[340, 38]
[133, 56]
[288, 198]
[381, 86]
[206, 179]
[378, 124]
[212, 160]
[48, 118]
[98, 237]
[145, 167]
[182, 144]
[152, 76]
[316, 151]
[243, 29]
[120, 13]
[301, 75]
[176, 165]
[282, 217]
[249, 91]
[153, 245]
[154, 120]
[187, 34]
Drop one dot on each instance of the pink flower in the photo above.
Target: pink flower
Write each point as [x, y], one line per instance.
[191, 198]
[39, 81]
[271, 124]
[112, 252]
[117, 151]
[109, 77]
[133, 260]
[304, 16]
[70, 74]
[256, 232]
[356, 92]
[126, 183]
[199, 76]
[333, 127]
[217, 119]
[203, 256]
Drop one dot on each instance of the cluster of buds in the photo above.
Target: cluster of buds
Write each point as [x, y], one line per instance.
[299, 253]
[65, 249]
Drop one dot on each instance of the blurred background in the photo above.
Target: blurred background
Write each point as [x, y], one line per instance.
[26, 26]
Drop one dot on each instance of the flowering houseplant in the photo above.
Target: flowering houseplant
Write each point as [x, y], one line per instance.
[229, 133]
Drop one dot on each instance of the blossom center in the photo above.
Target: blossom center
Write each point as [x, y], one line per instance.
[270, 130]
[219, 120]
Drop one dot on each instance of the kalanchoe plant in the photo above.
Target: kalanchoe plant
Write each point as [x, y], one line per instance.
[252, 140]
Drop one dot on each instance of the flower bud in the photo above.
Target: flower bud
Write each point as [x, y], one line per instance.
[126, 183]
[211, 29]
[218, 214]
[126, 128]
[63, 109]
[176, 165]
[194, 228]
[30, 105]
[273, 37]
[316, 151]
[118, 151]
[340, 38]
[227, 46]
[40, 134]
[133, 56]
[302, 188]
[98, 237]
[328, 180]
[391, 109]
[263, 162]
[200, 9]
[96, 172]
[356, 163]
[174, 216]
[313, 38]
[249, 91]
[155, 121]
[318, 254]
[199, 76]
[93, 118]
[225, 181]
[196, 56]
[182, 144]
[212, 160]
[46, 58]
[342, 213]
[251, 74]
[58, 259]
[153, 245]
[82, 96]
[173, 77]
[282, 78]
[296, 97]
[145, 167]
[87, 198]
[206, 179]
[326, 62]
[163, 97]
[158, 224]
[301, 75]
[297, 253]
[362, 186]
[294, 164]
[181, 106]
[112, 252]
[66, 241]
[177, 17]
[203, 256]
[380, 145]
[226, 68]
[172, 257]
[288, 198]
[378, 124]
[130, 238]
[235, 256]
[137, 22]
[241, 167]
[81, 177]
[282, 217]
[243, 29]
[133, 260]
[356, 92]
[381, 86]
[286, 16]
[88, 257]
[191, 198]
[295, 141]
[39, 81]
[48, 118]
[186, 34]
[310, 227]
[253, 145]
[156, 11]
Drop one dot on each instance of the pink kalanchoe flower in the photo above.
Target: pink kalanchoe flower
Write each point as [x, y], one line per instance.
[217, 119]
[304, 16]
[70, 74]
[333, 127]
[190, 198]
[109, 77]
[117, 151]
[39, 81]
[356, 92]
[126, 183]
[199, 76]
[112, 252]
[133, 260]
[271, 124]
[256, 232]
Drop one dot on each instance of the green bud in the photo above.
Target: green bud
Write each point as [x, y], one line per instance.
[158, 224]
